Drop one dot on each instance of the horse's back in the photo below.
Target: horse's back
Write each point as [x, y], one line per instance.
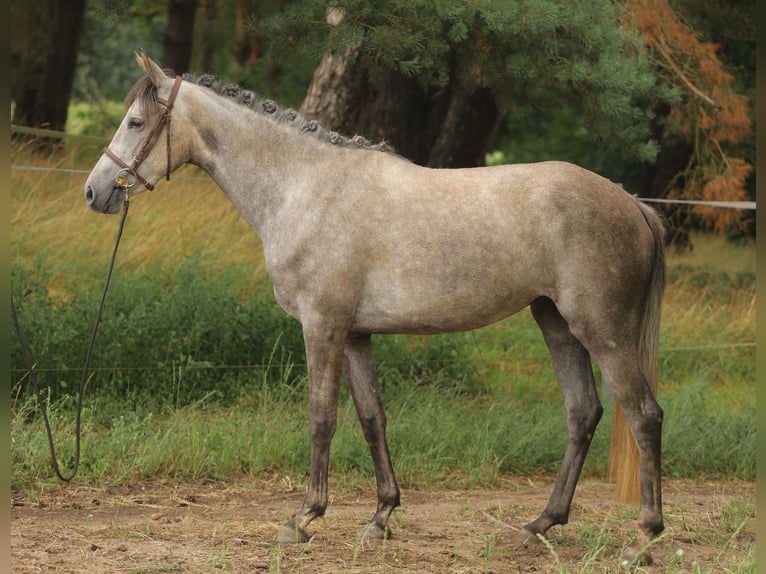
[456, 249]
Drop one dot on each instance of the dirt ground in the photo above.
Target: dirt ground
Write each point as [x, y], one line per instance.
[231, 527]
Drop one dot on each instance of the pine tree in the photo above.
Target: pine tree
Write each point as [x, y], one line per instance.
[435, 77]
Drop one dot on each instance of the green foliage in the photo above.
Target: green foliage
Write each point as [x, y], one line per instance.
[559, 134]
[196, 334]
[112, 31]
[536, 53]
[440, 361]
[98, 118]
[194, 331]
[729, 433]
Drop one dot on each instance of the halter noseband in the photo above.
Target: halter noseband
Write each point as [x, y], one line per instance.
[148, 144]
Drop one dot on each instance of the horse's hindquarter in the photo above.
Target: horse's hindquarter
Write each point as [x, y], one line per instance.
[410, 249]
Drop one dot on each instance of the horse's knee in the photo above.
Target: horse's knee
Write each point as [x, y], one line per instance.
[322, 430]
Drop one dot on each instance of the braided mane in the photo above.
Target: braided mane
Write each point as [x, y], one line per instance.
[144, 91]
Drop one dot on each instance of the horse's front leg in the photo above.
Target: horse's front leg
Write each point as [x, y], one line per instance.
[359, 369]
[324, 354]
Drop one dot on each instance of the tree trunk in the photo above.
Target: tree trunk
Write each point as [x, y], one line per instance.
[61, 61]
[205, 36]
[51, 96]
[328, 94]
[468, 129]
[451, 127]
[247, 48]
[179, 33]
[31, 23]
[657, 177]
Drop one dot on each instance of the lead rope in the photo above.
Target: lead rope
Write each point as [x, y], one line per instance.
[33, 375]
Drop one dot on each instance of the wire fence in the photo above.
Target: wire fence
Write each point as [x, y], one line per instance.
[266, 366]
[40, 132]
[749, 205]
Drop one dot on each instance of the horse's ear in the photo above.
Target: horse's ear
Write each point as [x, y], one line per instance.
[152, 70]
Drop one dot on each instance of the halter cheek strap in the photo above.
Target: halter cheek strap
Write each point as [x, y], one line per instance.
[149, 142]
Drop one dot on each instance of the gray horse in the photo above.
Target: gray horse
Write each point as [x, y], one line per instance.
[358, 240]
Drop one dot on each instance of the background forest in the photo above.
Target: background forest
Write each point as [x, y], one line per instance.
[655, 94]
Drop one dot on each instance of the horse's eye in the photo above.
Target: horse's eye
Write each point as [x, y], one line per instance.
[135, 123]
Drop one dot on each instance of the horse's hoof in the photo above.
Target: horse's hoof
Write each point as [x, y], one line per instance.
[291, 533]
[524, 537]
[374, 531]
[632, 557]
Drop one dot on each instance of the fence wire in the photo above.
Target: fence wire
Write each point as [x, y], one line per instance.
[264, 366]
[750, 205]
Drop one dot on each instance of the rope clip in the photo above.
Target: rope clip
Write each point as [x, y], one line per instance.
[122, 182]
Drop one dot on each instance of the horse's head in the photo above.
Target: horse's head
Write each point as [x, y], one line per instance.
[143, 149]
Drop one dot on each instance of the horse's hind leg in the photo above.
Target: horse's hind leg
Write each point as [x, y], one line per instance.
[644, 417]
[359, 370]
[614, 347]
[571, 363]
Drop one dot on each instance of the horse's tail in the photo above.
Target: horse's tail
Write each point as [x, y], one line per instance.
[623, 468]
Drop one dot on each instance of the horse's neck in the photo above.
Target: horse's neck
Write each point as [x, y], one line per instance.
[251, 158]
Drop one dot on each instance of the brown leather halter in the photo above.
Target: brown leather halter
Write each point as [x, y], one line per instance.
[148, 144]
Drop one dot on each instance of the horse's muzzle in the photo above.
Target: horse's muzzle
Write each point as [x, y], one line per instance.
[111, 205]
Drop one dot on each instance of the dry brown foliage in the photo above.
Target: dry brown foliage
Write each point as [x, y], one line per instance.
[710, 116]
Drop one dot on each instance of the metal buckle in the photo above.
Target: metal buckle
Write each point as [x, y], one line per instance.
[122, 180]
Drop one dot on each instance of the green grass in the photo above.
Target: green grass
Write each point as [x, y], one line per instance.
[199, 375]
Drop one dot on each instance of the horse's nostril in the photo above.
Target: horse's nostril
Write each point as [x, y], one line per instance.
[89, 195]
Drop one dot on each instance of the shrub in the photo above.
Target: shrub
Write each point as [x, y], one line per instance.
[181, 340]
[172, 339]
